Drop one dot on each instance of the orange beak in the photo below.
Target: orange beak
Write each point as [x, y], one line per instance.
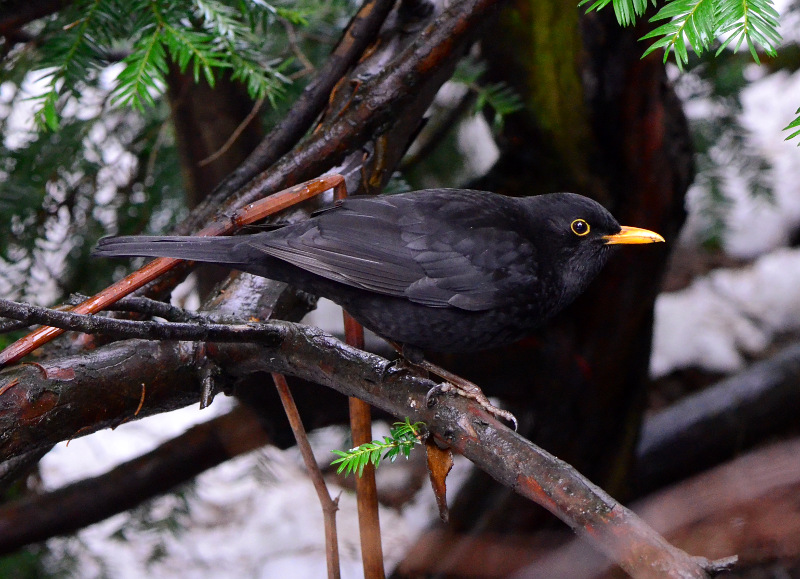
[633, 235]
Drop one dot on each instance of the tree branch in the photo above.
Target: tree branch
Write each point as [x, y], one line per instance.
[147, 307]
[34, 396]
[715, 424]
[201, 331]
[329, 505]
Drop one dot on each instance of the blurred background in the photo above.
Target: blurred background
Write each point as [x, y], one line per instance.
[674, 383]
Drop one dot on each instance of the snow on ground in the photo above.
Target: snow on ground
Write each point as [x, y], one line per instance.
[755, 225]
[727, 314]
[254, 516]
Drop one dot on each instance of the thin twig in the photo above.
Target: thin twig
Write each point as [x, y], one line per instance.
[329, 505]
[132, 304]
[291, 34]
[147, 307]
[146, 329]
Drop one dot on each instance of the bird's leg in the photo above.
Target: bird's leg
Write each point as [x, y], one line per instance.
[452, 382]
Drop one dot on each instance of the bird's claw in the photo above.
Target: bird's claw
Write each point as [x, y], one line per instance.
[473, 393]
[441, 388]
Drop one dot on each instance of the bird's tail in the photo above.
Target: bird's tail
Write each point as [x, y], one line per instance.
[206, 249]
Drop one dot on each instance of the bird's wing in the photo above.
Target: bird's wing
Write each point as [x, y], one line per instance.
[440, 248]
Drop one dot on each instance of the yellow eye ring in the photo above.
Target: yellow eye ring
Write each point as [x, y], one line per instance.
[580, 227]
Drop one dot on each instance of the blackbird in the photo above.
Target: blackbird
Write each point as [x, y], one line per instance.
[446, 270]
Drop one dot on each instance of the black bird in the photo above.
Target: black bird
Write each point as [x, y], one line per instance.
[447, 270]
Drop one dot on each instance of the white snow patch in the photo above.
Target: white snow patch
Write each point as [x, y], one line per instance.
[721, 317]
[254, 516]
[95, 454]
[755, 225]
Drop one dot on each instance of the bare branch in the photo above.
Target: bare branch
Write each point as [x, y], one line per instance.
[720, 421]
[329, 505]
[147, 329]
[316, 356]
[147, 307]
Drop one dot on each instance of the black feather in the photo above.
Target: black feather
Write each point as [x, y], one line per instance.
[444, 269]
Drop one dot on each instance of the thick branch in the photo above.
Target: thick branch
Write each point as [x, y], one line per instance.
[316, 356]
[329, 505]
[716, 423]
[506, 456]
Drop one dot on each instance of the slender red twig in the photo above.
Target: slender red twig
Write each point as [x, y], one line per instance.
[329, 505]
[366, 489]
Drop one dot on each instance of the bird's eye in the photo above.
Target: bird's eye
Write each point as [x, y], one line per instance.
[580, 227]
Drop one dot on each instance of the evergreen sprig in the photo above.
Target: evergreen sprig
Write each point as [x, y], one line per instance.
[209, 36]
[626, 11]
[402, 438]
[689, 20]
[699, 23]
[794, 126]
[74, 45]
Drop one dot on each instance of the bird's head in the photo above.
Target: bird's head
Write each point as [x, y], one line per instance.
[577, 234]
